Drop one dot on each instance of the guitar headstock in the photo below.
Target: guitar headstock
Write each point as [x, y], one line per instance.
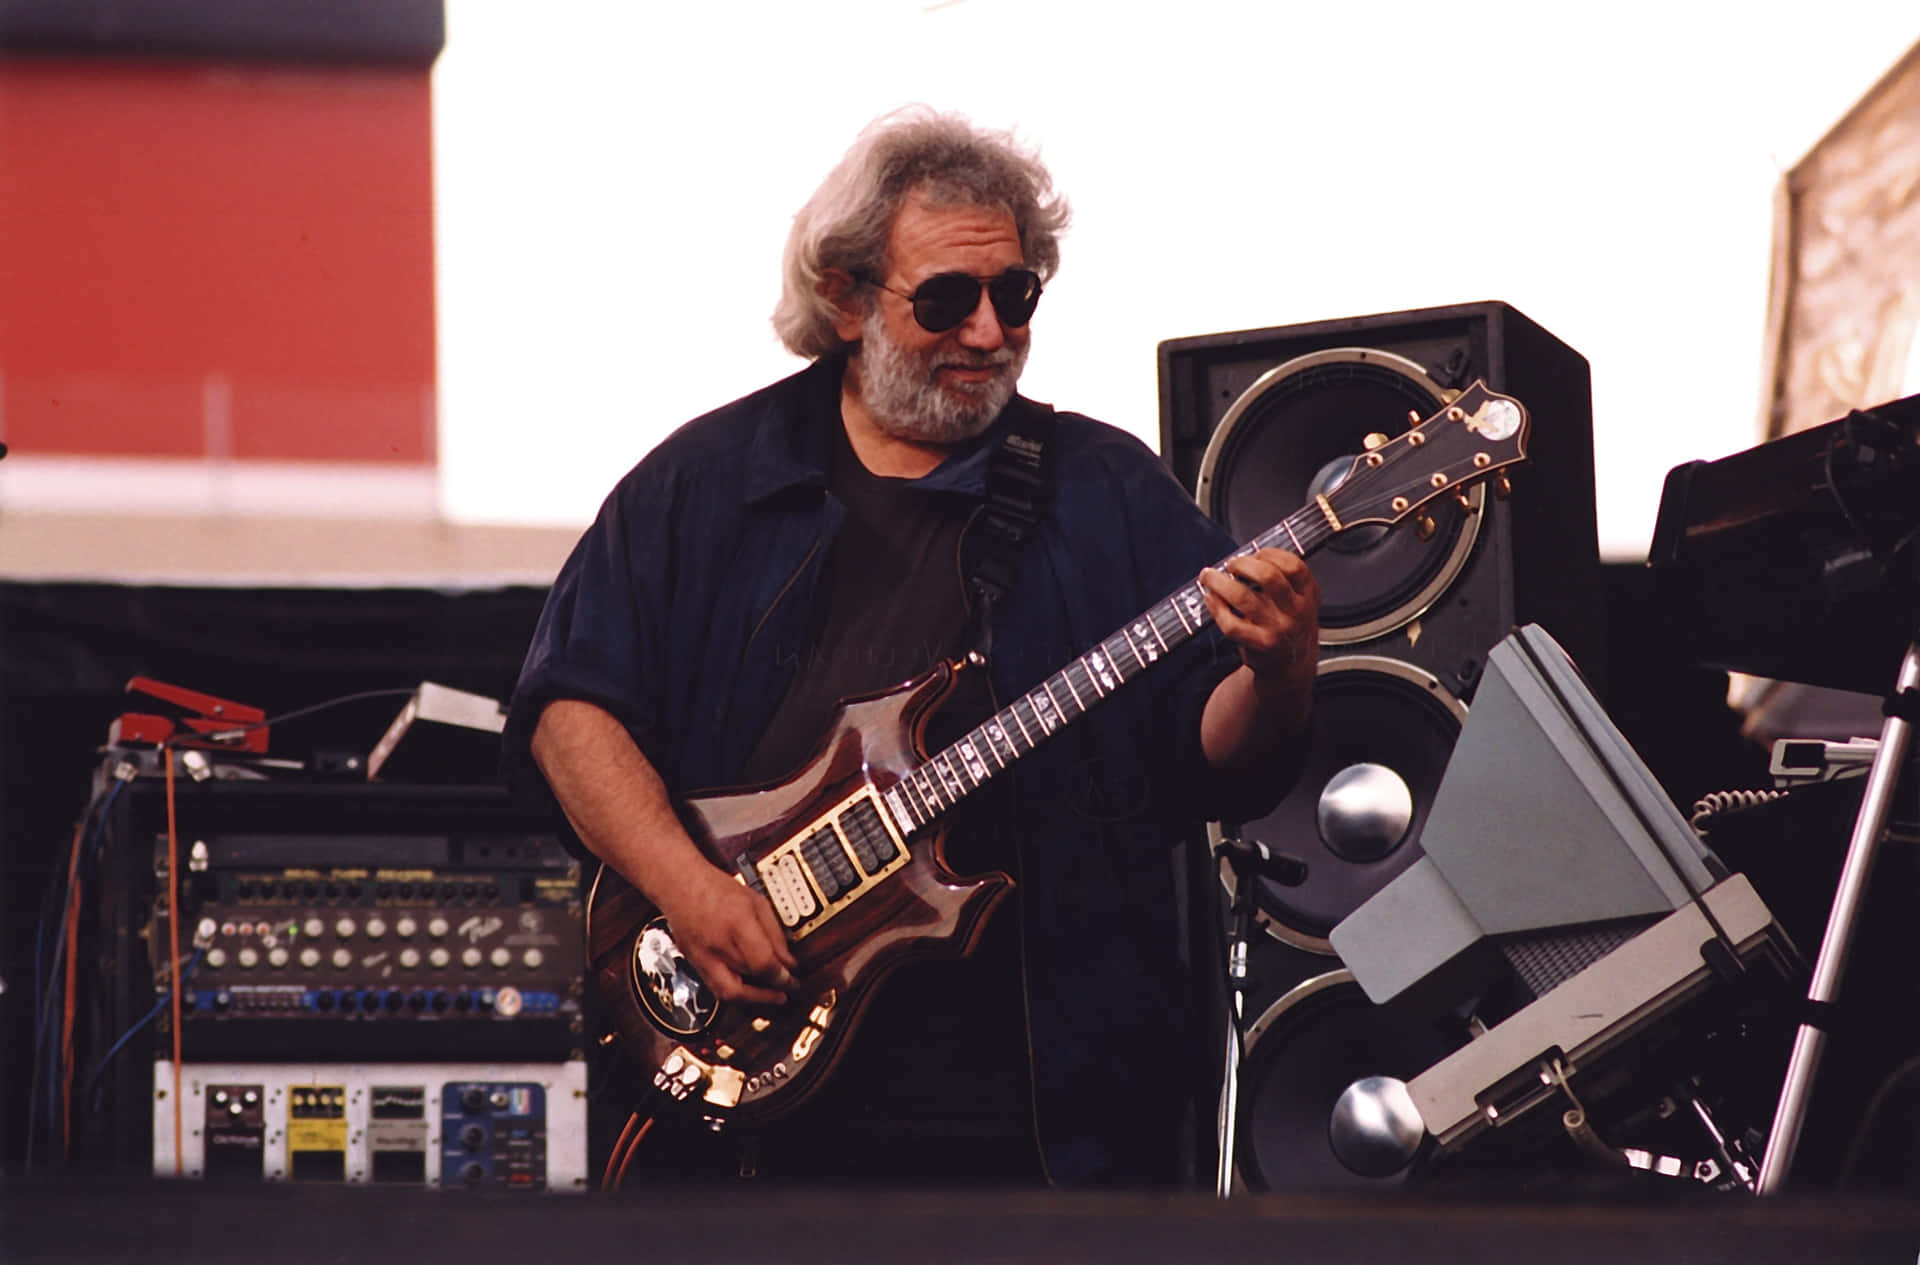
[1479, 434]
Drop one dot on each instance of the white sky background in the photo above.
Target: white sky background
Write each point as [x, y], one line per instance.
[615, 181]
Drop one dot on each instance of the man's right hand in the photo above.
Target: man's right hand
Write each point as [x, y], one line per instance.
[621, 810]
[731, 936]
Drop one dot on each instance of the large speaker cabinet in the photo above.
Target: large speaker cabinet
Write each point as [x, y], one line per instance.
[1254, 423]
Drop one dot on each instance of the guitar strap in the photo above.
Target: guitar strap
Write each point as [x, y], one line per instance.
[1018, 482]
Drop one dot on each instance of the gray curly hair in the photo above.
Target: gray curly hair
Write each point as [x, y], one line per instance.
[847, 222]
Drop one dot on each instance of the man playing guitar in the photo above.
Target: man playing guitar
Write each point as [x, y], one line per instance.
[812, 542]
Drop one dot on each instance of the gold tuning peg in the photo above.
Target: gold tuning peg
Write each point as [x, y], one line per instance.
[1502, 488]
[1465, 501]
[1424, 527]
[1375, 440]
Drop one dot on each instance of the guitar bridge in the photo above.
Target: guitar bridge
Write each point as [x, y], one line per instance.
[828, 864]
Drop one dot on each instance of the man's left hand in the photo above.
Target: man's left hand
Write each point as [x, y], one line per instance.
[1268, 605]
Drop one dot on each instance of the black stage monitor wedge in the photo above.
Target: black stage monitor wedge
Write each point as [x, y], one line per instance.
[1255, 422]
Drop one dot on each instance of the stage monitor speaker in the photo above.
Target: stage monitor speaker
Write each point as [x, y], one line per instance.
[1255, 423]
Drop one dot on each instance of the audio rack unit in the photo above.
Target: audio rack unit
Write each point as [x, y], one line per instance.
[365, 922]
[489, 1126]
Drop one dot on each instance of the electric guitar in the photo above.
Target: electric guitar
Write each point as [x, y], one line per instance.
[850, 850]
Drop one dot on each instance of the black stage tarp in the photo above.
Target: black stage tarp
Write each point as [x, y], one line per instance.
[153, 1223]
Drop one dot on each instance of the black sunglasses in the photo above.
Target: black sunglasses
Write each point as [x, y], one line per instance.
[943, 302]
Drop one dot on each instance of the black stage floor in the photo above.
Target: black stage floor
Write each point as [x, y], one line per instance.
[92, 1221]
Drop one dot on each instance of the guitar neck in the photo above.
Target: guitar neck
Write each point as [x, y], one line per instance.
[934, 787]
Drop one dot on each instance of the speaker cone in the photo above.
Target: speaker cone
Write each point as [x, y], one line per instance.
[1381, 734]
[1301, 1055]
[1292, 435]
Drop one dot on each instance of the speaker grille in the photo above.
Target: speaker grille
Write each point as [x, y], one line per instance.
[1302, 1053]
[1367, 710]
[1292, 435]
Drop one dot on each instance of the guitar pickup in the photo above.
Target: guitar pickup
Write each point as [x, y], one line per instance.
[829, 862]
[868, 836]
[787, 887]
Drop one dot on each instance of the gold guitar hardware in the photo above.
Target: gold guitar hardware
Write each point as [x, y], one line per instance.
[1424, 527]
[1377, 440]
[680, 1073]
[724, 1091]
[804, 1043]
[1502, 486]
[1465, 501]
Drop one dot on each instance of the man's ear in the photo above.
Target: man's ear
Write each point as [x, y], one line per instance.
[838, 288]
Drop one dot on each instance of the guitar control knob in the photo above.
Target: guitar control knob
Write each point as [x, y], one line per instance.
[309, 957]
[248, 958]
[438, 928]
[216, 957]
[276, 956]
[470, 956]
[409, 958]
[439, 957]
[345, 928]
[532, 959]
[501, 956]
[405, 926]
[342, 959]
[313, 928]
[376, 927]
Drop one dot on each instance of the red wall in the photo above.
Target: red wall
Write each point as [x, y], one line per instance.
[167, 225]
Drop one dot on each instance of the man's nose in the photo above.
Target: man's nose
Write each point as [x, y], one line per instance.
[981, 330]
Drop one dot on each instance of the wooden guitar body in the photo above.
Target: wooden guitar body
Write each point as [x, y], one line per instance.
[748, 1064]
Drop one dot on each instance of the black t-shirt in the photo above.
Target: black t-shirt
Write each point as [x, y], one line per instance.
[935, 1085]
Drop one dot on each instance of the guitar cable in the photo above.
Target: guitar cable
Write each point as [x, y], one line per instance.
[613, 1156]
[624, 1149]
[173, 956]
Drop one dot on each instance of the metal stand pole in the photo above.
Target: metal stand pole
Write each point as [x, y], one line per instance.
[1245, 900]
[1869, 828]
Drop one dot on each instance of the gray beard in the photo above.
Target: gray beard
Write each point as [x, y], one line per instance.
[905, 401]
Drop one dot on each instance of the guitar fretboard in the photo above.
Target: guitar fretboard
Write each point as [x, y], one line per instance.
[933, 788]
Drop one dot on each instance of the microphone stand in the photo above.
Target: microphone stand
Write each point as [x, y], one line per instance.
[1249, 862]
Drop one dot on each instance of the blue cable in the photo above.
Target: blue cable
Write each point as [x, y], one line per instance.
[45, 991]
[100, 1068]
